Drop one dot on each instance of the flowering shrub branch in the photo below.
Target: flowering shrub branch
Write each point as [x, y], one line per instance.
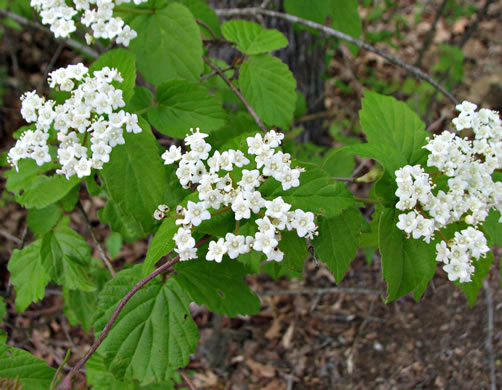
[229, 201]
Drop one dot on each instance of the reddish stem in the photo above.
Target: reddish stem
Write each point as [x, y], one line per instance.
[66, 382]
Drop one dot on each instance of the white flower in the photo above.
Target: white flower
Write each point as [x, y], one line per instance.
[83, 167]
[196, 213]
[236, 245]
[250, 179]
[172, 154]
[240, 206]
[216, 250]
[184, 239]
[304, 223]
[277, 208]
[265, 242]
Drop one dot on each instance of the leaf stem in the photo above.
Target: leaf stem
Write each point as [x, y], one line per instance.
[104, 257]
[221, 211]
[238, 93]
[66, 383]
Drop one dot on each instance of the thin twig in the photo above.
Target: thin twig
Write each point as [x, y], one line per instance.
[340, 35]
[327, 290]
[10, 237]
[101, 251]
[68, 41]
[489, 334]
[187, 381]
[238, 93]
[214, 73]
[430, 34]
[211, 32]
[66, 383]
[474, 26]
[49, 67]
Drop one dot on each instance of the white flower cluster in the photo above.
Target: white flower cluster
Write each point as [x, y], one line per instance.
[96, 14]
[214, 177]
[472, 193]
[90, 112]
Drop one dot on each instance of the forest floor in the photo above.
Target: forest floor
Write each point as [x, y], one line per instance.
[310, 333]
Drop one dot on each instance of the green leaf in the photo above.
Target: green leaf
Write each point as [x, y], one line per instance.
[342, 13]
[168, 45]
[338, 240]
[269, 87]
[390, 159]
[471, 289]
[182, 105]
[493, 228]
[407, 264]
[28, 275]
[317, 11]
[162, 243]
[206, 14]
[121, 222]
[295, 251]
[79, 307]
[65, 256]
[153, 334]
[3, 309]
[345, 18]
[41, 221]
[35, 191]
[135, 183]
[140, 100]
[113, 244]
[125, 62]
[101, 379]
[33, 373]
[392, 123]
[251, 38]
[220, 287]
[338, 163]
[317, 192]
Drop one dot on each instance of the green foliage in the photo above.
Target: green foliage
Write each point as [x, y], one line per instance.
[338, 241]
[251, 38]
[125, 62]
[201, 11]
[28, 275]
[390, 122]
[34, 190]
[269, 87]
[407, 264]
[182, 102]
[33, 373]
[342, 13]
[135, 184]
[101, 379]
[153, 335]
[295, 251]
[472, 288]
[493, 228]
[162, 243]
[65, 256]
[41, 221]
[317, 192]
[113, 244]
[168, 45]
[220, 287]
